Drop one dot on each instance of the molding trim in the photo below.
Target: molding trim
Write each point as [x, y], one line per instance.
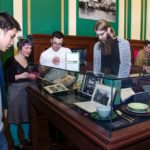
[121, 18]
[148, 21]
[29, 16]
[18, 15]
[126, 19]
[72, 17]
[62, 16]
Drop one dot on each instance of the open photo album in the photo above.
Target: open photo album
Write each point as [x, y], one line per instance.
[102, 95]
[55, 88]
[65, 80]
[58, 76]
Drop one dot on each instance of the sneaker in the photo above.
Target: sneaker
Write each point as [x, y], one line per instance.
[18, 147]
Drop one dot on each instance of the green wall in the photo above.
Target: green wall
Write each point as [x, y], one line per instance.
[6, 5]
[45, 16]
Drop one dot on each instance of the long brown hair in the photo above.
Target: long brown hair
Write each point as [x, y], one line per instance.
[108, 45]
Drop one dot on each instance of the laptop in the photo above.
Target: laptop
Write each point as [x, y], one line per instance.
[101, 96]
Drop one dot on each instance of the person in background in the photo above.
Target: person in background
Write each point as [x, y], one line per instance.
[55, 55]
[143, 56]
[18, 77]
[110, 49]
[8, 29]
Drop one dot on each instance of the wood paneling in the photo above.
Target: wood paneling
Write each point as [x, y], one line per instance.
[42, 42]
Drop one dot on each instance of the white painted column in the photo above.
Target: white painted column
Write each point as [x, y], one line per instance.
[72, 17]
[148, 21]
[17, 13]
[121, 18]
[136, 19]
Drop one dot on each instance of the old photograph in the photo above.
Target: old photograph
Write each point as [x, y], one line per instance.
[102, 94]
[98, 9]
[89, 84]
[55, 88]
[101, 97]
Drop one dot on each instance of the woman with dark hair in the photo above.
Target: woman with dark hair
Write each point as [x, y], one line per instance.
[18, 77]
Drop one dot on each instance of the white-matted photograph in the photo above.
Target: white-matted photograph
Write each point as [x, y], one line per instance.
[102, 94]
[98, 9]
[55, 88]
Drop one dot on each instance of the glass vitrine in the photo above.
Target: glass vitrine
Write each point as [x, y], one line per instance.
[115, 98]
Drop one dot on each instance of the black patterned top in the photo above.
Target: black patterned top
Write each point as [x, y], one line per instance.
[12, 68]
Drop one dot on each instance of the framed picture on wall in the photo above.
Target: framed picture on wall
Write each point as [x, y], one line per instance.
[96, 9]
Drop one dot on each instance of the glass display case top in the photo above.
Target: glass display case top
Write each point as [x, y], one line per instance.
[102, 97]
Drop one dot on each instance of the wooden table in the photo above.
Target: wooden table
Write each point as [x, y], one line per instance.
[83, 132]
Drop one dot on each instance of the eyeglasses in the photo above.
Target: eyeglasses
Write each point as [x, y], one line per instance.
[57, 44]
[100, 33]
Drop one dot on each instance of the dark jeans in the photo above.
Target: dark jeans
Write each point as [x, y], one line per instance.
[3, 141]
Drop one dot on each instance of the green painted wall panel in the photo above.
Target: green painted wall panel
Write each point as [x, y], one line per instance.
[129, 19]
[6, 5]
[143, 19]
[45, 16]
[25, 23]
[66, 17]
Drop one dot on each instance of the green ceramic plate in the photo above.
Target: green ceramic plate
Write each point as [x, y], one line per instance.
[139, 111]
[138, 106]
[97, 117]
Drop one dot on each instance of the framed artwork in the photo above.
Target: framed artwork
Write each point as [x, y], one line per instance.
[97, 9]
[55, 88]
[89, 83]
[102, 94]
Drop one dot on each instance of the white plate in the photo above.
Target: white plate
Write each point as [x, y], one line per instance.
[138, 106]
